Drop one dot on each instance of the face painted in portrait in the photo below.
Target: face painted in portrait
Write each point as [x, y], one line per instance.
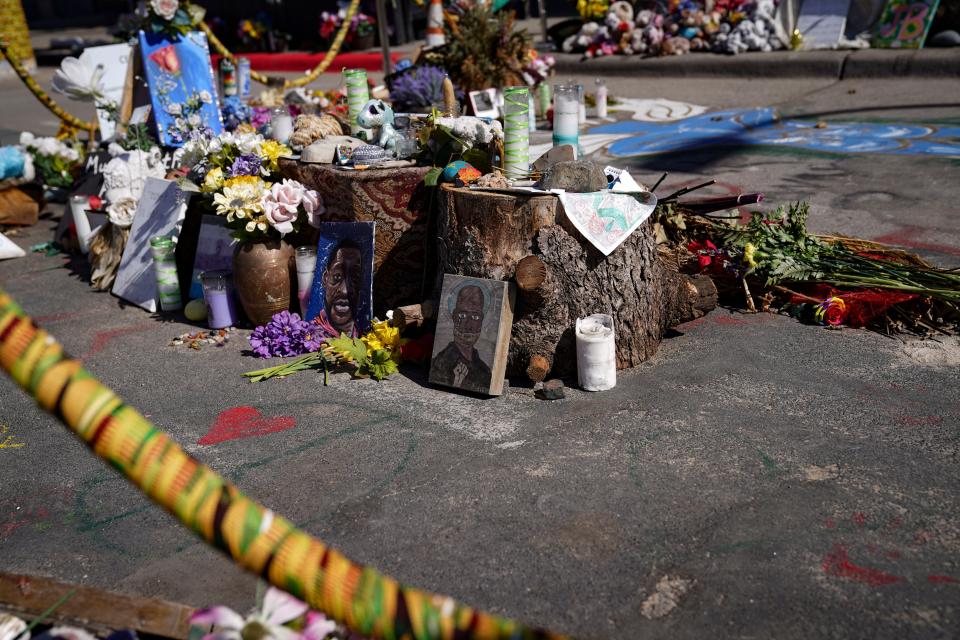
[342, 295]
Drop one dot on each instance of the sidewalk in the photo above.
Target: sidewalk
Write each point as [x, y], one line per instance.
[837, 65]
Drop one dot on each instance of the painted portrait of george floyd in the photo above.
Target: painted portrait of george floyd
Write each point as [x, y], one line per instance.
[341, 299]
[473, 334]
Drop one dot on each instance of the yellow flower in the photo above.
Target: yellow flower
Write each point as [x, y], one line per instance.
[749, 253]
[214, 180]
[241, 198]
[384, 336]
[270, 150]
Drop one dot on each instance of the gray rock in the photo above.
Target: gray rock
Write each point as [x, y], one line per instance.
[323, 151]
[577, 176]
[561, 153]
[551, 390]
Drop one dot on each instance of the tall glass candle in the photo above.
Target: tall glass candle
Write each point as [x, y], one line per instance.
[543, 95]
[306, 265]
[78, 209]
[281, 124]
[601, 99]
[357, 95]
[218, 296]
[531, 111]
[163, 249]
[516, 145]
[581, 104]
[566, 115]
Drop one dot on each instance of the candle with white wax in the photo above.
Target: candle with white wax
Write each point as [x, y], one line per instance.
[566, 115]
[596, 353]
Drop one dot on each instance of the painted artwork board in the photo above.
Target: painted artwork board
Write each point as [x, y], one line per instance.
[159, 210]
[607, 218]
[182, 88]
[341, 298]
[114, 60]
[904, 24]
[822, 22]
[472, 338]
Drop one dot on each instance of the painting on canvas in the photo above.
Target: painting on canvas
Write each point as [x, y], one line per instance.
[341, 299]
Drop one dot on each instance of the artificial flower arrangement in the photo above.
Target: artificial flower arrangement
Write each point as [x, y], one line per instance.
[57, 162]
[361, 25]
[170, 16]
[238, 171]
[276, 615]
[376, 354]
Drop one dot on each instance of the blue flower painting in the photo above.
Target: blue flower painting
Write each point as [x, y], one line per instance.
[181, 83]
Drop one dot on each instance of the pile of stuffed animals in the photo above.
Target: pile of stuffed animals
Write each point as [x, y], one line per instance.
[722, 26]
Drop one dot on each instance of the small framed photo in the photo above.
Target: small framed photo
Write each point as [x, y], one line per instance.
[484, 103]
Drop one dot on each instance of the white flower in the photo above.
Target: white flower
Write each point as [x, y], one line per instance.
[78, 80]
[166, 9]
[121, 212]
[194, 120]
[174, 108]
[313, 205]
[27, 138]
[205, 97]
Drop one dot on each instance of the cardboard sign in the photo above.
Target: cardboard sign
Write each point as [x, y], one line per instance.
[182, 90]
[114, 60]
[822, 22]
[904, 24]
[473, 334]
[159, 210]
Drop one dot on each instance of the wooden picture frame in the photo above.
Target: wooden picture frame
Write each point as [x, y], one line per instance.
[472, 338]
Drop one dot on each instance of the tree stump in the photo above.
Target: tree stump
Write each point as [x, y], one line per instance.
[560, 277]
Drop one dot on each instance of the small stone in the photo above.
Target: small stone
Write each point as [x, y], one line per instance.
[369, 154]
[325, 150]
[577, 176]
[561, 153]
[551, 390]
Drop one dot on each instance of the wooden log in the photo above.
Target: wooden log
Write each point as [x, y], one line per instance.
[413, 314]
[539, 367]
[488, 235]
[94, 609]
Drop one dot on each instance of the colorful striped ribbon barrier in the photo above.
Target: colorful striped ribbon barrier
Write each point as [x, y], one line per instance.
[261, 541]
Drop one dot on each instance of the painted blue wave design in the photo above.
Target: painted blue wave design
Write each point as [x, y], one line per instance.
[747, 127]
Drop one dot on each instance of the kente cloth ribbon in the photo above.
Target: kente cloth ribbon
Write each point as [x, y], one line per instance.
[261, 541]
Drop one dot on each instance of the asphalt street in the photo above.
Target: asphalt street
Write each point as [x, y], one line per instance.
[757, 478]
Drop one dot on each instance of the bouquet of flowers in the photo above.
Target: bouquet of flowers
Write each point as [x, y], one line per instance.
[57, 162]
[170, 16]
[361, 25]
[239, 172]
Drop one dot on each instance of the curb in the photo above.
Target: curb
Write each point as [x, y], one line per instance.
[837, 65]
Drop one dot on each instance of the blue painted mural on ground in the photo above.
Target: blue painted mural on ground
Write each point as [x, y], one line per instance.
[748, 127]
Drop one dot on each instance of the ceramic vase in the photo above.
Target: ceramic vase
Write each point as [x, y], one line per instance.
[264, 277]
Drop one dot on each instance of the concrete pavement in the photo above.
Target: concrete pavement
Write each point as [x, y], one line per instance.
[787, 480]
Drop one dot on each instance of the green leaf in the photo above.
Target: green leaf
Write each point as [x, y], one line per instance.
[350, 349]
[432, 177]
[479, 159]
[381, 364]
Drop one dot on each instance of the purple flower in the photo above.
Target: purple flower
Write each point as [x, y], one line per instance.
[260, 116]
[285, 335]
[247, 165]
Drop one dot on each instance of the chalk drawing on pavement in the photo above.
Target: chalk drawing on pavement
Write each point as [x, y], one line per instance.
[8, 442]
[764, 126]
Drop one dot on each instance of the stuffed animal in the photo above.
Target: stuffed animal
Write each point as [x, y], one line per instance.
[309, 128]
[377, 113]
[675, 46]
[582, 39]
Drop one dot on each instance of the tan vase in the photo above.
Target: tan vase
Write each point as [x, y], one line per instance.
[263, 276]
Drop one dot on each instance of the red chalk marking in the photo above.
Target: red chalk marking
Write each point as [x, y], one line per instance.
[859, 518]
[829, 523]
[728, 320]
[59, 317]
[838, 564]
[906, 237]
[244, 422]
[895, 523]
[102, 338]
[918, 421]
[942, 580]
